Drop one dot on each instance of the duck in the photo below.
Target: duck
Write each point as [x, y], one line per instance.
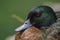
[39, 18]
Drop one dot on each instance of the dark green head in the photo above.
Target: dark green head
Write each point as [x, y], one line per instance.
[42, 16]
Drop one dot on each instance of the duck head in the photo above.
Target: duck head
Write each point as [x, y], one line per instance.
[39, 17]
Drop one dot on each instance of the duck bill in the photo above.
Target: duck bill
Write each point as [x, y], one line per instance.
[26, 25]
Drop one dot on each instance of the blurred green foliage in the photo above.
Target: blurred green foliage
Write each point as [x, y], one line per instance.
[17, 7]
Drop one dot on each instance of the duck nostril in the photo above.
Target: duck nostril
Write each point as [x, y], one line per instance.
[25, 23]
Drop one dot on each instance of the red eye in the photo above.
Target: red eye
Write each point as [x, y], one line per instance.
[37, 14]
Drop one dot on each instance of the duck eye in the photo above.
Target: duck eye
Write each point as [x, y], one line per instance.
[37, 14]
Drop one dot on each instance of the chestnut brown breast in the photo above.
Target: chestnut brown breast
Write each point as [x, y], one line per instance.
[31, 33]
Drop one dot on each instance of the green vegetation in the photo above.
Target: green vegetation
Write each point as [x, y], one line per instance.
[19, 8]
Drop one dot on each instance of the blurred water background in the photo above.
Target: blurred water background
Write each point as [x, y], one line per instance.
[14, 12]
